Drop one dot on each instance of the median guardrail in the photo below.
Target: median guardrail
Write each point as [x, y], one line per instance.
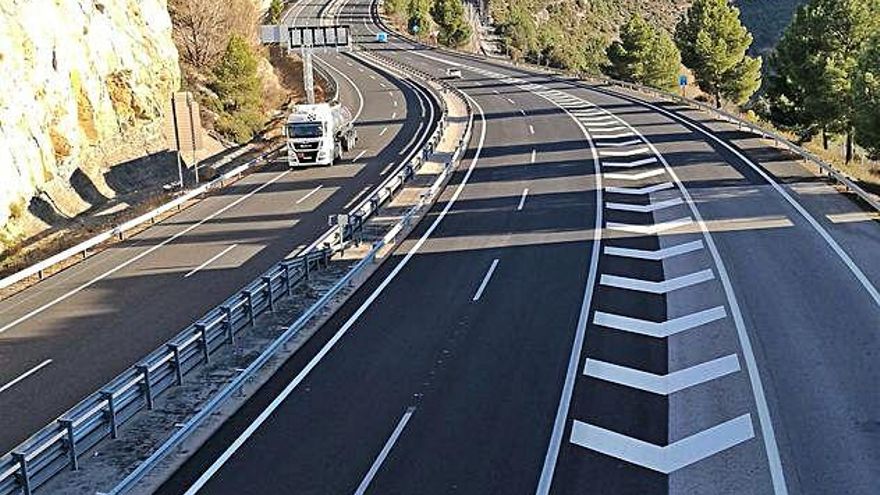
[58, 446]
[743, 125]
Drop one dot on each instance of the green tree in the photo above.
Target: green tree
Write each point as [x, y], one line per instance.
[866, 96]
[417, 17]
[275, 9]
[454, 28]
[815, 65]
[713, 44]
[519, 34]
[645, 55]
[237, 86]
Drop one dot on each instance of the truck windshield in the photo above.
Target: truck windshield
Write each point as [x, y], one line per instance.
[311, 129]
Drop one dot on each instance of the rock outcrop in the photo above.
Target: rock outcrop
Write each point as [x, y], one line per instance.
[84, 85]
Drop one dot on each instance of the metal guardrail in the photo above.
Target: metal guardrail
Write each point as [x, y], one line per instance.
[841, 178]
[83, 248]
[57, 446]
[382, 193]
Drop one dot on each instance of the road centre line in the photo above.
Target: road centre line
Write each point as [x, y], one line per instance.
[486, 278]
[522, 200]
[137, 257]
[385, 170]
[309, 194]
[386, 449]
[25, 375]
[291, 386]
[523, 112]
[209, 261]
[359, 155]
[383, 131]
[510, 101]
[533, 155]
[531, 130]
[393, 115]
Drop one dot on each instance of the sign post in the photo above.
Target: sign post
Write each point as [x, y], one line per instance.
[682, 83]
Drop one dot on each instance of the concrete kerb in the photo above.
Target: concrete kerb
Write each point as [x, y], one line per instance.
[401, 214]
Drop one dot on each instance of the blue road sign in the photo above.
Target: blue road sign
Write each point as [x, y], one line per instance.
[682, 80]
[382, 37]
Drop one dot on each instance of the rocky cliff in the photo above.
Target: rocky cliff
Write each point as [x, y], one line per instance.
[84, 85]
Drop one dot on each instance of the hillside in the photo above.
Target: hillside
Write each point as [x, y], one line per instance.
[574, 33]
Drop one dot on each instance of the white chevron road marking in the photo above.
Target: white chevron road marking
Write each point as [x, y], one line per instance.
[660, 205]
[662, 384]
[663, 287]
[660, 254]
[671, 457]
[621, 144]
[639, 190]
[636, 163]
[662, 329]
[650, 229]
[617, 135]
[633, 176]
[635, 151]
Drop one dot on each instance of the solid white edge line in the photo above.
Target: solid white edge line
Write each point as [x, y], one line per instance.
[210, 260]
[264, 415]
[485, 281]
[137, 257]
[25, 375]
[777, 474]
[386, 449]
[309, 194]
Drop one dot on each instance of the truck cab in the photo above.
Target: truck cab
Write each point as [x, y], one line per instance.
[318, 134]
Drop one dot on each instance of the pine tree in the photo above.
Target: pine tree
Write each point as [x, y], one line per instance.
[238, 89]
[866, 96]
[815, 65]
[418, 20]
[645, 55]
[454, 28]
[519, 34]
[713, 44]
[275, 10]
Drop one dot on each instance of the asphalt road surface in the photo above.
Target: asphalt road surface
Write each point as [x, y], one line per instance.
[67, 336]
[613, 295]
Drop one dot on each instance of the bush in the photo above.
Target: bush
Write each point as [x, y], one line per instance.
[238, 89]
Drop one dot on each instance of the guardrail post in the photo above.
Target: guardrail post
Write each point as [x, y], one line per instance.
[250, 306]
[268, 281]
[70, 442]
[308, 268]
[24, 477]
[230, 331]
[111, 411]
[203, 339]
[148, 385]
[178, 372]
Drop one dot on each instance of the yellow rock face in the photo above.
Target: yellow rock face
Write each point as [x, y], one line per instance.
[80, 80]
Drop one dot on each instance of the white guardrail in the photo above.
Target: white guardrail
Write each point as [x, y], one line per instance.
[59, 445]
[840, 177]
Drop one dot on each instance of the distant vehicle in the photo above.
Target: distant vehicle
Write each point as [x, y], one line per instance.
[453, 73]
[382, 37]
[318, 134]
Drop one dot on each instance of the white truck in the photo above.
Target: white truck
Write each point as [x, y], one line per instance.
[318, 134]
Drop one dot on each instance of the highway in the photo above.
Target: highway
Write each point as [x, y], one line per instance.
[613, 295]
[65, 337]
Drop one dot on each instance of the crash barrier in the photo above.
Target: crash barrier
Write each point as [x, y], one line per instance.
[247, 375]
[59, 446]
[779, 140]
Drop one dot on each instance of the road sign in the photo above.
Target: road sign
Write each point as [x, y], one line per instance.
[382, 37]
[336, 36]
[682, 80]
